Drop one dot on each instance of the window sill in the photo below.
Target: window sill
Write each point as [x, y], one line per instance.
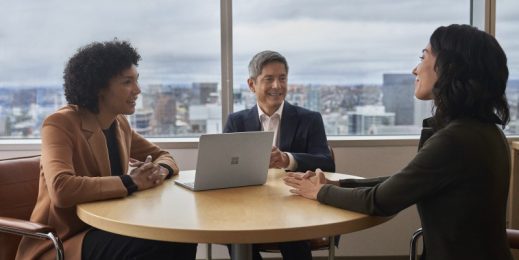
[192, 143]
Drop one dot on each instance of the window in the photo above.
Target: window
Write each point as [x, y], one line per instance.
[179, 42]
[349, 60]
[507, 30]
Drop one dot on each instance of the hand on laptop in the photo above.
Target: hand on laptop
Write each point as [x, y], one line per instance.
[278, 159]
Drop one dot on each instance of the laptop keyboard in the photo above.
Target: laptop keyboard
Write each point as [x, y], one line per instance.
[190, 184]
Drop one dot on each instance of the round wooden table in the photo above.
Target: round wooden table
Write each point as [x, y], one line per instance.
[238, 216]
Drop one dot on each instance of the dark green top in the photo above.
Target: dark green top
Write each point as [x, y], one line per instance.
[459, 180]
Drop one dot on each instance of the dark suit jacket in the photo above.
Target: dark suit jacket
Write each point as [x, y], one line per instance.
[301, 133]
[75, 168]
[459, 181]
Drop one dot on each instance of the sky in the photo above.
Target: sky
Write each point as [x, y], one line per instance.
[325, 42]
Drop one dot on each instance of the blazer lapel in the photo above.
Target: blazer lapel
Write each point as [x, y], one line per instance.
[97, 142]
[252, 122]
[287, 130]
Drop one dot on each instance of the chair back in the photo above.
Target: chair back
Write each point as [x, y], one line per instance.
[332, 154]
[18, 193]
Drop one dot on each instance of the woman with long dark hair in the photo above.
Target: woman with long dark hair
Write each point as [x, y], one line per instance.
[459, 179]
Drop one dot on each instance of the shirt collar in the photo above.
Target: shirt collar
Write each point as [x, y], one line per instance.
[279, 111]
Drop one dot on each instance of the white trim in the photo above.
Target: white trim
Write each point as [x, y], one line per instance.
[490, 17]
[478, 13]
[192, 143]
[226, 58]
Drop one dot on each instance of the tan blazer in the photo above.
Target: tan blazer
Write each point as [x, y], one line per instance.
[75, 168]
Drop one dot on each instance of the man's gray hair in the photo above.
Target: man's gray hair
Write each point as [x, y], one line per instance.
[263, 58]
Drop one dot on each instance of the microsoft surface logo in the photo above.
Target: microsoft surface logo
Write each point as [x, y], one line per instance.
[235, 160]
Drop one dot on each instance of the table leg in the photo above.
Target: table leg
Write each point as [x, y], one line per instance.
[241, 252]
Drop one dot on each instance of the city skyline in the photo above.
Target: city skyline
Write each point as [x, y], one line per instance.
[179, 110]
[343, 46]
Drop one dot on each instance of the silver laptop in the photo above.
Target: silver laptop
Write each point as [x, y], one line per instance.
[229, 160]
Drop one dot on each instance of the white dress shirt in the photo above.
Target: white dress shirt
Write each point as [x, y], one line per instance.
[272, 123]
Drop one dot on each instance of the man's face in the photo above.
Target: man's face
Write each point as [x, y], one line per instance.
[270, 87]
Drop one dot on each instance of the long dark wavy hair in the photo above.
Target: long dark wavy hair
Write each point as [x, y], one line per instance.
[472, 75]
[92, 67]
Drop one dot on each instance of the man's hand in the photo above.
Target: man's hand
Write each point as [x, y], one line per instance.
[278, 159]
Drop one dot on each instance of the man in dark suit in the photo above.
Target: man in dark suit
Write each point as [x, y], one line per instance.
[299, 138]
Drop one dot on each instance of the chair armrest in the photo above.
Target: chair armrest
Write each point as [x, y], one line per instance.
[23, 227]
[513, 238]
[32, 229]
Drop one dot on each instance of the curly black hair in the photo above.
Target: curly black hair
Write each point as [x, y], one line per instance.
[472, 75]
[92, 67]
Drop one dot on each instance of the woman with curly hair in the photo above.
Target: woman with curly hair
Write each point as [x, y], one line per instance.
[459, 179]
[87, 148]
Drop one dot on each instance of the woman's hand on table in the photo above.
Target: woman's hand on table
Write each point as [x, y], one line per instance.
[306, 184]
[147, 174]
[311, 174]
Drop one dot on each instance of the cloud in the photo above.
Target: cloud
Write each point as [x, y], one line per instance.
[351, 10]
[324, 41]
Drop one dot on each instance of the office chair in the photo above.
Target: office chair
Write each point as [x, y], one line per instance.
[316, 244]
[414, 243]
[19, 179]
[512, 234]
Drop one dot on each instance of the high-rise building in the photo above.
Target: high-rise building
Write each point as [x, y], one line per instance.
[398, 95]
[422, 110]
[202, 92]
[4, 123]
[365, 118]
[160, 100]
[297, 94]
[205, 118]
[313, 100]
[141, 121]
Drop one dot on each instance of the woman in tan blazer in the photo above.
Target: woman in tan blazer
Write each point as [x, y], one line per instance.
[87, 148]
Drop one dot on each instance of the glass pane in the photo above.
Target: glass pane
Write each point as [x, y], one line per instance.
[507, 30]
[179, 42]
[349, 60]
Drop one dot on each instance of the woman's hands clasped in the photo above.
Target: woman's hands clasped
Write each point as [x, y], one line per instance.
[306, 184]
[147, 174]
